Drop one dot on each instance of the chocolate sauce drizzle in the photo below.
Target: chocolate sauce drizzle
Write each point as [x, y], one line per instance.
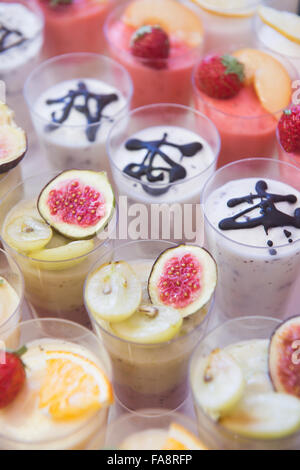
[10, 38]
[270, 216]
[147, 167]
[69, 101]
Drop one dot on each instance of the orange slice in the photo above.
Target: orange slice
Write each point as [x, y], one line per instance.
[73, 386]
[180, 438]
[284, 22]
[171, 16]
[229, 8]
[271, 80]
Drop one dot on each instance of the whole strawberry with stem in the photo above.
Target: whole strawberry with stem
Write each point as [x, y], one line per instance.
[289, 129]
[220, 76]
[151, 43]
[12, 376]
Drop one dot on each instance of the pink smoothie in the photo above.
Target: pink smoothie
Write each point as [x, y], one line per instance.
[246, 128]
[171, 84]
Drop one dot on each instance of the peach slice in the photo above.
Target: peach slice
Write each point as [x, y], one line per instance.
[179, 438]
[271, 80]
[176, 19]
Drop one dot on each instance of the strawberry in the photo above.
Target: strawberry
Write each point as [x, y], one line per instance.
[220, 77]
[151, 43]
[12, 376]
[289, 129]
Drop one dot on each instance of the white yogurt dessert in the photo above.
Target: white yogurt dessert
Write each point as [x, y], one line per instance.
[253, 231]
[21, 38]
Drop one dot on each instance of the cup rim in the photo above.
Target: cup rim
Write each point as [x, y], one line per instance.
[226, 167]
[3, 326]
[127, 117]
[46, 63]
[252, 5]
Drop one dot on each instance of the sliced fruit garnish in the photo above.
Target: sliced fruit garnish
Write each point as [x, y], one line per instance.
[173, 17]
[113, 292]
[180, 438]
[260, 70]
[77, 203]
[219, 384]
[265, 416]
[73, 386]
[149, 324]
[284, 357]
[9, 300]
[13, 146]
[12, 376]
[6, 114]
[27, 233]
[183, 277]
[233, 8]
[285, 22]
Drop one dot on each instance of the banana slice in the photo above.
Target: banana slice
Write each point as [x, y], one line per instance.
[265, 416]
[219, 384]
[59, 257]
[113, 292]
[27, 234]
[150, 324]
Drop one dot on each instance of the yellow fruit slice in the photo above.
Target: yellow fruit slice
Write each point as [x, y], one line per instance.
[73, 386]
[229, 8]
[180, 438]
[6, 114]
[284, 22]
[271, 80]
[175, 18]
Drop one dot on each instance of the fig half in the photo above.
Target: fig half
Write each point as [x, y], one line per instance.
[13, 146]
[77, 203]
[284, 357]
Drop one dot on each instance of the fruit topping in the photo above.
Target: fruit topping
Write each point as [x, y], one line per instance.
[179, 438]
[233, 8]
[27, 233]
[265, 416]
[73, 386]
[6, 115]
[12, 376]
[183, 277]
[13, 146]
[219, 384]
[289, 129]
[284, 363]
[260, 70]
[151, 43]
[77, 203]
[220, 77]
[113, 292]
[286, 23]
[174, 18]
[9, 300]
[62, 257]
[150, 324]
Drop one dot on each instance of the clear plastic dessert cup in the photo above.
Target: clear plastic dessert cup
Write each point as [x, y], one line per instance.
[150, 375]
[146, 428]
[213, 434]
[199, 168]
[10, 272]
[71, 434]
[293, 159]
[9, 180]
[79, 140]
[169, 82]
[52, 288]
[242, 135]
[252, 277]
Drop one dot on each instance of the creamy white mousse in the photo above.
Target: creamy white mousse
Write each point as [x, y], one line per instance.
[198, 167]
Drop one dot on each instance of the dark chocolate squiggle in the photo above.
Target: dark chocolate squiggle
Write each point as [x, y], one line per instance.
[10, 38]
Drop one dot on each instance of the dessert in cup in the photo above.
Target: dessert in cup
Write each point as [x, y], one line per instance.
[158, 42]
[288, 139]
[252, 226]
[56, 231]
[150, 307]
[73, 100]
[236, 89]
[245, 382]
[153, 429]
[55, 388]
[74, 25]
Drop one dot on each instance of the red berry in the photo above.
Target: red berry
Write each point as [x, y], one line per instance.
[152, 44]
[12, 377]
[220, 77]
[289, 129]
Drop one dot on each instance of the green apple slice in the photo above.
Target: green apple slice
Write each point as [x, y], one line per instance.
[219, 384]
[113, 292]
[265, 416]
[150, 324]
[27, 234]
